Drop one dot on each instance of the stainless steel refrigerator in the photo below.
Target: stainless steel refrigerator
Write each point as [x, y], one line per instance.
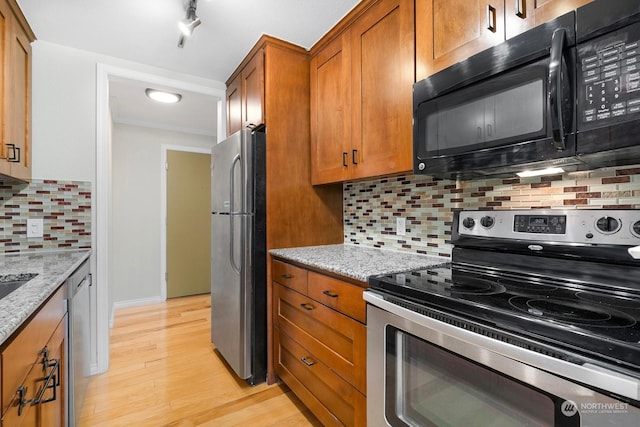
[238, 253]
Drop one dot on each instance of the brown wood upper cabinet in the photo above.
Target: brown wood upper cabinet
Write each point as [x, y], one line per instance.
[15, 92]
[245, 95]
[362, 73]
[449, 31]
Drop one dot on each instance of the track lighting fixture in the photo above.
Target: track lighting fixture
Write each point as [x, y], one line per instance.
[189, 23]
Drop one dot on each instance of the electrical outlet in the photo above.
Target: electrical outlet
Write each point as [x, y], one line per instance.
[35, 227]
[401, 226]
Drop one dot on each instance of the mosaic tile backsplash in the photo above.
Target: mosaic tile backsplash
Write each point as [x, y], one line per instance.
[65, 207]
[371, 206]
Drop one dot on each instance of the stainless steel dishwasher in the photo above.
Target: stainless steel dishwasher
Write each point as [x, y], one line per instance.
[78, 340]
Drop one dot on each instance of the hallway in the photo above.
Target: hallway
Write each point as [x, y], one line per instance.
[163, 372]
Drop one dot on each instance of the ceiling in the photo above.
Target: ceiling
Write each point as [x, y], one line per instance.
[146, 31]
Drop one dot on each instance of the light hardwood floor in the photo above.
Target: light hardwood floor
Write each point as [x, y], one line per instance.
[164, 372]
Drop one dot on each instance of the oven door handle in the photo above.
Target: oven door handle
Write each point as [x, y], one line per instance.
[556, 87]
[586, 373]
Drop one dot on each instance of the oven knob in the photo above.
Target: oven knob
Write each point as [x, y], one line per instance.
[468, 222]
[608, 225]
[487, 221]
[636, 228]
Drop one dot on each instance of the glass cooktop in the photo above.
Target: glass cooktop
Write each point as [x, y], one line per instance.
[602, 323]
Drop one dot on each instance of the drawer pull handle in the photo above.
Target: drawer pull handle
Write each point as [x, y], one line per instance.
[22, 401]
[308, 361]
[52, 381]
[330, 294]
[307, 306]
[287, 276]
[15, 153]
[520, 9]
[491, 18]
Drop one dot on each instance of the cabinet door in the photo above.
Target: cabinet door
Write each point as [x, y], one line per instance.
[234, 105]
[521, 15]
[448, 31]
[330, 75]
[253, 91]
[383, 72]
[42, 390]
[5, 18]
[18, 98]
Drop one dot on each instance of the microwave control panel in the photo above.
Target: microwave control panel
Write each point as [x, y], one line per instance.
[609, 78]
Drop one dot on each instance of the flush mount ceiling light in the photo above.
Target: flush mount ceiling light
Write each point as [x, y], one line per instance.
[189, 23]
[540, 172]
[162, 96]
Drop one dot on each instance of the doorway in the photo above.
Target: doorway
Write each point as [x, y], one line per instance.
[188, 242]
[106, 74]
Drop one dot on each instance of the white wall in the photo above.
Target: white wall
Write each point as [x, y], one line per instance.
[64, 108]
[135, 272]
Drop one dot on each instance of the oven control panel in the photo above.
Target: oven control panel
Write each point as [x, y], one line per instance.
[596, 226]
[548, 224]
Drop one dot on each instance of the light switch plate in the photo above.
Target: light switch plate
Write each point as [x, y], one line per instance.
[401, 226]
[35, 228]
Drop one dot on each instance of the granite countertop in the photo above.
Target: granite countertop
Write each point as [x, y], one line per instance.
[357, 262]
[52, 268]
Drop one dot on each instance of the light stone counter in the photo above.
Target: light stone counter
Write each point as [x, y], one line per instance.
[357, 262]
[52, 268]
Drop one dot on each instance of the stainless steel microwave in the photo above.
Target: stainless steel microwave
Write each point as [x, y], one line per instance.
[564, 94]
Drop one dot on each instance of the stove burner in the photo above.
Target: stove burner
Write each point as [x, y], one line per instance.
[475, 287]
[610, 300]
[529, 286]
[572, 312]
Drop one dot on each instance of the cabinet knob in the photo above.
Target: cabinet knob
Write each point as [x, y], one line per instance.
[344, 159]
[307, 306]
[286, 276]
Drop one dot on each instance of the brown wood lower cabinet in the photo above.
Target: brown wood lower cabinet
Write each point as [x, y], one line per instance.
[319, 346]
[33, 369]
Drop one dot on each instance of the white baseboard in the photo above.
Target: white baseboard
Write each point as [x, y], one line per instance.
[132, 303]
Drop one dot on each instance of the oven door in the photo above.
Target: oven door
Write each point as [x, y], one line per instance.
[423, 372]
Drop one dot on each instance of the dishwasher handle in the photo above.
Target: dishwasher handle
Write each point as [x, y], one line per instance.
[78, 278]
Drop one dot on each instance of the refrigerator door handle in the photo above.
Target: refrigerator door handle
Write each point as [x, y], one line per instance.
[232, 260]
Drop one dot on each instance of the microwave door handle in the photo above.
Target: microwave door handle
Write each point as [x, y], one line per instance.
[558, 42]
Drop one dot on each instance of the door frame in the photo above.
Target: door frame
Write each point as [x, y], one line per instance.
[102, 186]
[163, 208]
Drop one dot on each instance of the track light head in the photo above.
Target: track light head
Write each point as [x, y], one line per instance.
[187, 26]
[189, 23]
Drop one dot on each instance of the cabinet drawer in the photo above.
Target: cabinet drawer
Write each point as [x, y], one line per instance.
[290, 276]
[331, 398]
[339, 295]
[23, 351]
[339, 341]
